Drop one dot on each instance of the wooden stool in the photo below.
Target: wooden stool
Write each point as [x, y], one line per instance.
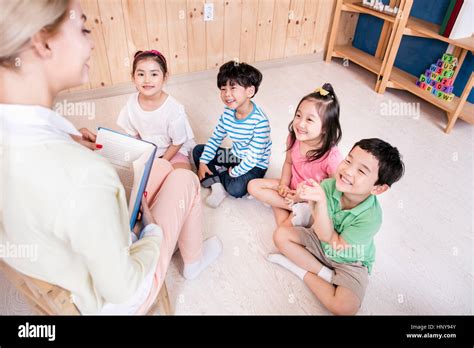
[49, 299]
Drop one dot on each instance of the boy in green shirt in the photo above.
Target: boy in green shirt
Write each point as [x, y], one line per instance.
[335, 255]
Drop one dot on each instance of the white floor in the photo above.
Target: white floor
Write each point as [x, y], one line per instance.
[425, 248]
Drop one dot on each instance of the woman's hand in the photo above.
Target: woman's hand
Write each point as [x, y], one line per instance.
[88, 138]
[147, 217]
[203, 170]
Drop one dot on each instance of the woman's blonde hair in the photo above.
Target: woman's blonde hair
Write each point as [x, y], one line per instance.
[20, 20]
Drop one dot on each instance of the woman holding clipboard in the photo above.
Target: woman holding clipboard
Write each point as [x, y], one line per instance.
[64, 199]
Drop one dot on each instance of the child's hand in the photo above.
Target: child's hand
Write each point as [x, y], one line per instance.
[294, 196]
[283, 190]
[310, 190]
[203, 170]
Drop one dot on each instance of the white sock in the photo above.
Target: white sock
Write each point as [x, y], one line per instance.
[302, 214]
[217, 195]
[326, 274]
[289, 265]
[211, 249]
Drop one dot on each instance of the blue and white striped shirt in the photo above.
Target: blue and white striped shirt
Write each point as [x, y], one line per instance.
[250, 137]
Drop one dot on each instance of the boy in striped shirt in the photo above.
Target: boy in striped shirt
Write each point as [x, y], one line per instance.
[228, 171]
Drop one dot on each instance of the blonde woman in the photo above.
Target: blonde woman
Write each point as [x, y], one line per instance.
[62, 198]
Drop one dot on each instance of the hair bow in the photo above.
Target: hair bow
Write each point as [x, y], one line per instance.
[321, 91]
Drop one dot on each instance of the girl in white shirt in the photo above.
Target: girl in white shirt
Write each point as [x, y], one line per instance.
[153, 115]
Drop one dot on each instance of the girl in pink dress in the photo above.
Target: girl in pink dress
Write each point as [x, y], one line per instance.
[312, 153]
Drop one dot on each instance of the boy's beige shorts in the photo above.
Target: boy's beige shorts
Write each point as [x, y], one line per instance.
[353, 276]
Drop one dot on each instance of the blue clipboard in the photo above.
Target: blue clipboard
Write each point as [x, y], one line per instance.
[143, 182]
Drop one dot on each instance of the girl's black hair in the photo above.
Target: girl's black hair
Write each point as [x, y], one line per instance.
[242, 74]
[155, 55]
[327, 107]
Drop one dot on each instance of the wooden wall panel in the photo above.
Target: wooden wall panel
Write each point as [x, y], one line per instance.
[196, 35]
[232, 28]
[99, 74]
[113, 27]
[177, 36]
[294, 28]
[157, 27]
[247, 30]
[307, 26]
[323, 23]
[215, 36]
[135, 26]
[264, 29]
[281, 14]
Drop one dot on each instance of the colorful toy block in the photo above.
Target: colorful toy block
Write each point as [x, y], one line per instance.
[447, 57]
[438, 79]
[421, 84]
[447, 81]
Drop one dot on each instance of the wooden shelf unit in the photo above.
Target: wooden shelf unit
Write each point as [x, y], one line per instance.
[359, 57]
[382, 63]
[421, 28]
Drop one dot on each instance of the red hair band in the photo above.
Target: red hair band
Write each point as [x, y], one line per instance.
[154, 52]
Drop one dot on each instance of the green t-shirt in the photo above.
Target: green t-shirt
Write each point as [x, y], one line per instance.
[356, 226]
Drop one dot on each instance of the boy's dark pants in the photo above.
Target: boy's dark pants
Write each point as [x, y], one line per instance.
[236, 187]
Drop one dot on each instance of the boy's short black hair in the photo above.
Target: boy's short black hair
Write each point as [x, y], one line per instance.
[242, 74]
[391, 167]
